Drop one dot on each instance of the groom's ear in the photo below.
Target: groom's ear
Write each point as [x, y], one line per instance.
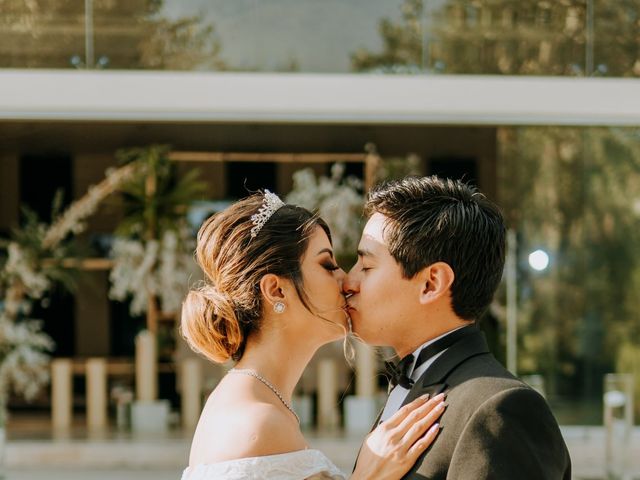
[435, 281]
[271, 287]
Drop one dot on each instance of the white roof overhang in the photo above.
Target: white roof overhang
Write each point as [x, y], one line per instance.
[203, 97]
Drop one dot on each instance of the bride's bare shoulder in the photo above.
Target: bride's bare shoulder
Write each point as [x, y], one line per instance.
[244, 429]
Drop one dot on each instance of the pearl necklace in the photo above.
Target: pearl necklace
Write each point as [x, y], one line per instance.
[253, 373]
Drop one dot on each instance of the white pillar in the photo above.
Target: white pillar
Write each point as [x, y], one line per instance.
[360, 409]
[61, 393]
[365, 371]
[96, 393]
[328, 417]
[511, 277]
[190, 391]
[146, 367]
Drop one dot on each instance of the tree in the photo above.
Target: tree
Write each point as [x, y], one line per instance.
[402, 43]
[128, 34]
[571, 190]
[531, 37]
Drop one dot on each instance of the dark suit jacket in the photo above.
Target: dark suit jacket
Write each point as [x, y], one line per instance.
[495, 427]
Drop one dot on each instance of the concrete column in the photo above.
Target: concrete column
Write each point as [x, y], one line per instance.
[96, 393]
[61, 393]
[190, 391]
[328, 417]
[365, 371]
[360, 409]
[146, 367]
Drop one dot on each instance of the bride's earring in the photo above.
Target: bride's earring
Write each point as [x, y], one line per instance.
[279, 307]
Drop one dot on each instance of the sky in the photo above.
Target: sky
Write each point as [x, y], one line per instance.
[269, 34]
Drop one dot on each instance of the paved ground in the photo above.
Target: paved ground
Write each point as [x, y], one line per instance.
[112, 456]
[92, 474]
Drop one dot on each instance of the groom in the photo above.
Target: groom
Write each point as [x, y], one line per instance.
[429, 261]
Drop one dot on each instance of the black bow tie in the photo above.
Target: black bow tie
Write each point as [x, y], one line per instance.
[399, 373]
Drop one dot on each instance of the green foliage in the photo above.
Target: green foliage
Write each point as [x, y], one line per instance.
[523, 37]
[157, 201]
[402, 43]
[572, 191]
[575, 192]
[180, 44]
[47, 261]
[130, 34]
[399, 167]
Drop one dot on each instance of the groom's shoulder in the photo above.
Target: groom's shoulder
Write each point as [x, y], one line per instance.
[482, 383]
[483, 376]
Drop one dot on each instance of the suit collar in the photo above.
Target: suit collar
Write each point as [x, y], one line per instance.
[433, 380]
[467, 347]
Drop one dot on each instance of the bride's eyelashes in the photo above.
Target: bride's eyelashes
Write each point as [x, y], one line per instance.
[330, 266]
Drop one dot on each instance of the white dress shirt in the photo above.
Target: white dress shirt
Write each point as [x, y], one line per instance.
[399, 393]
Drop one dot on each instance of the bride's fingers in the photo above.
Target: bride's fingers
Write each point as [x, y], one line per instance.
[416, 430]
[423, 443]
[418, 413]
[398, 417]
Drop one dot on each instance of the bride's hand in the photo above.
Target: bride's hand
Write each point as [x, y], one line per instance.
[394, 446]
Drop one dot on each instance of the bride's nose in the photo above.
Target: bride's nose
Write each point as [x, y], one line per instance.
[350, 285]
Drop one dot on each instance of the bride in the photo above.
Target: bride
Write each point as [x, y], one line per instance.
[270, 299]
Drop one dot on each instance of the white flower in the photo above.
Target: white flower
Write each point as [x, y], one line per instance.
[337, 200]
[153, 268]
[19, 265]
[24, 363]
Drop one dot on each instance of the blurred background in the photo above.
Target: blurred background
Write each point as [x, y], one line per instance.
[124, 124]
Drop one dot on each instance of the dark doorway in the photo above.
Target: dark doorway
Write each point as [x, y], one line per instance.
[41, 176]
[124, 328]
[244, 178]
[456, 168]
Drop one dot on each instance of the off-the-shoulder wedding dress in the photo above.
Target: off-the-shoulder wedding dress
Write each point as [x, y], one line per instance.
[303, 464]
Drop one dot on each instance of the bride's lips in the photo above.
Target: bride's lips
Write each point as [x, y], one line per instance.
[348, 307]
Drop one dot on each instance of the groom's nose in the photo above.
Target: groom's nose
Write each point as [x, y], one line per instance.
[340, 275]
[351, 283]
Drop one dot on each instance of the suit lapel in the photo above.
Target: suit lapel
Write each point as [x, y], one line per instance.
[433, 379]
[375, 424]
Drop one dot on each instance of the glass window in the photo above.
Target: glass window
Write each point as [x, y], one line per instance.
[507, 37]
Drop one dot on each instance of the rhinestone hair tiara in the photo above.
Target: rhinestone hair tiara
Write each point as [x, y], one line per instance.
[270, 205]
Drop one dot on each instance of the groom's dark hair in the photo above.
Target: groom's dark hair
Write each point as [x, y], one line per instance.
[434, 219]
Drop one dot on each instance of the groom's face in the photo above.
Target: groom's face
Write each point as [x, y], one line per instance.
[382, 304]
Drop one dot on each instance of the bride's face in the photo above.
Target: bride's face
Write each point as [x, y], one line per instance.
[322, 279]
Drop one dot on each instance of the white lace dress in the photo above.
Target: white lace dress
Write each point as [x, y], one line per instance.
[300, 465]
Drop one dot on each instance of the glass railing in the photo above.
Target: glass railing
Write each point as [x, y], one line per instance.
[504, 37]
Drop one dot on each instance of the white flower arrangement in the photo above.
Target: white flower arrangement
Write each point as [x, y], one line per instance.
[25, 270]
[31, 267]
[158, 268]
[72, 220]
[24, 365]
[339, 201]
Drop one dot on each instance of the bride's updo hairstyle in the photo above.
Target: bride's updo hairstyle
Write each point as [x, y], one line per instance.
[223, 311]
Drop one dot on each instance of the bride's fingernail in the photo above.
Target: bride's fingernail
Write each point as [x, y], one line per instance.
[425, 397]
